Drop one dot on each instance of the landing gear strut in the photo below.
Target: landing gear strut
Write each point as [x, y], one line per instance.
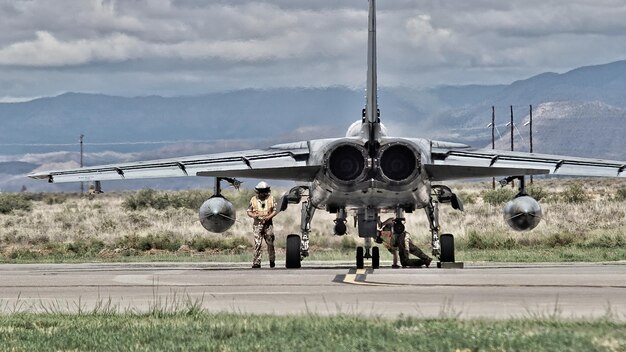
[432, 212]
[298, 248]
[442, 246]
[298, 245]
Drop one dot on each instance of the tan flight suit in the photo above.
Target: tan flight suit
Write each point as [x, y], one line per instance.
[389, 240]
[263, 231]
[406, 247]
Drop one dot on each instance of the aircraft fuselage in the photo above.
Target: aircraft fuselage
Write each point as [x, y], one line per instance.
[352, 178]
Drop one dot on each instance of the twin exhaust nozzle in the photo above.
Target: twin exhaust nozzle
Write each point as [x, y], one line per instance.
[398, 162]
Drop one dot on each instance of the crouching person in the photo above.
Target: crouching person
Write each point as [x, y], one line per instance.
[405, 246]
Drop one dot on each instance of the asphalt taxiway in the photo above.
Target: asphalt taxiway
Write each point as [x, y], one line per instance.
[500, 291]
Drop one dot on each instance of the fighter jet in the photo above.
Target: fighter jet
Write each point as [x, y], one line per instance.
[364, 174]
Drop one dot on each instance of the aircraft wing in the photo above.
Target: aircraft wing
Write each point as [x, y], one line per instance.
[284, 162]
[450, 163]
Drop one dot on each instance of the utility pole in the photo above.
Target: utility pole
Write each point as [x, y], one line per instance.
[493, 139]
[512, 146]
[82, 185]
[531, 135]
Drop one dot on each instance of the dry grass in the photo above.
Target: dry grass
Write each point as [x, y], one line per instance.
[102, 225]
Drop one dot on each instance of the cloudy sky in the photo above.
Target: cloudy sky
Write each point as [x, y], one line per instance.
[180, 47]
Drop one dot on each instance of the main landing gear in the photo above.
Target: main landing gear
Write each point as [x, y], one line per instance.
[442, 246]
[298, 247]
[368, 218]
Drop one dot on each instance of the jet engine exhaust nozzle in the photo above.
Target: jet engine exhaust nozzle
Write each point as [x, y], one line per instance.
[399, 162]
[217, 214]
[522, 213]
[347, 163]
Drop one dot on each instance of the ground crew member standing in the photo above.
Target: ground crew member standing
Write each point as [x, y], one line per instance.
[262, 209]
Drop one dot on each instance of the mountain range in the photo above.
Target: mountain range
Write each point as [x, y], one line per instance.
[581, 112]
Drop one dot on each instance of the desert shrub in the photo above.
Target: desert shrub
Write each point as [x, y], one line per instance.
[241, 198]
[128, 241]
[165, 241]
[610, 239]
[139, 200]
[620, 194]
[206, 243]
[348, 243]
[203, 243]
[467, 198]
[536, 191]
[149, 198]
[235, 243]
[38, 240]
[54, 198]
[575, 193]
[193, 199]
[24, 253]
[190, 199]
[106, 225]
[498, 196]
[137, 220]
[561, 239]
[10, 202]
[146, 198]
[476, 240]
[85, 247]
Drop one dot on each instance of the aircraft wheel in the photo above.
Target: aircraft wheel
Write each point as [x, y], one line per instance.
[375, 258]
[293, 252]
[359, 258]
[447, 248]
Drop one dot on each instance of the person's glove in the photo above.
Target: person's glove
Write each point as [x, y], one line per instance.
[378, 239]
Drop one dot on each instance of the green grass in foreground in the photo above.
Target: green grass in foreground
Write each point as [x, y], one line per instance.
[522, 255]
[198, 331]
[542, 254]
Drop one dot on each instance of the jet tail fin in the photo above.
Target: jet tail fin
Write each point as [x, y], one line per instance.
[371, 107]
[371, 116]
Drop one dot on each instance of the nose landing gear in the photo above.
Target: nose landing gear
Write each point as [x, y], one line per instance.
[367, 252]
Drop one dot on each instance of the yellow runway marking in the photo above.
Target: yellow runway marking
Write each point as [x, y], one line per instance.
[351, 278]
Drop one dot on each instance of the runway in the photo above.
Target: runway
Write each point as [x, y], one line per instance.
[499, 291]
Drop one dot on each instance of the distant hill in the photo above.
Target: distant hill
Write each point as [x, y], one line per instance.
[587, 129]
[581, 112]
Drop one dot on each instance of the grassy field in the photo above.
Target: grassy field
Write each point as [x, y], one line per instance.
[584, 220]
[199, 331]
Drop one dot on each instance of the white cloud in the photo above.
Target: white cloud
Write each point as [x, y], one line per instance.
[46, 50]
[242, 43]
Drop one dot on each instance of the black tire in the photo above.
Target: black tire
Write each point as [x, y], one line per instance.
[375, 258]
[293, 252]
[359, 258]
[447, 248]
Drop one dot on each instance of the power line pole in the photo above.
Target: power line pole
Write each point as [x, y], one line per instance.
[82, 185]
[512, 146]
[493, 139]
[531, 136]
